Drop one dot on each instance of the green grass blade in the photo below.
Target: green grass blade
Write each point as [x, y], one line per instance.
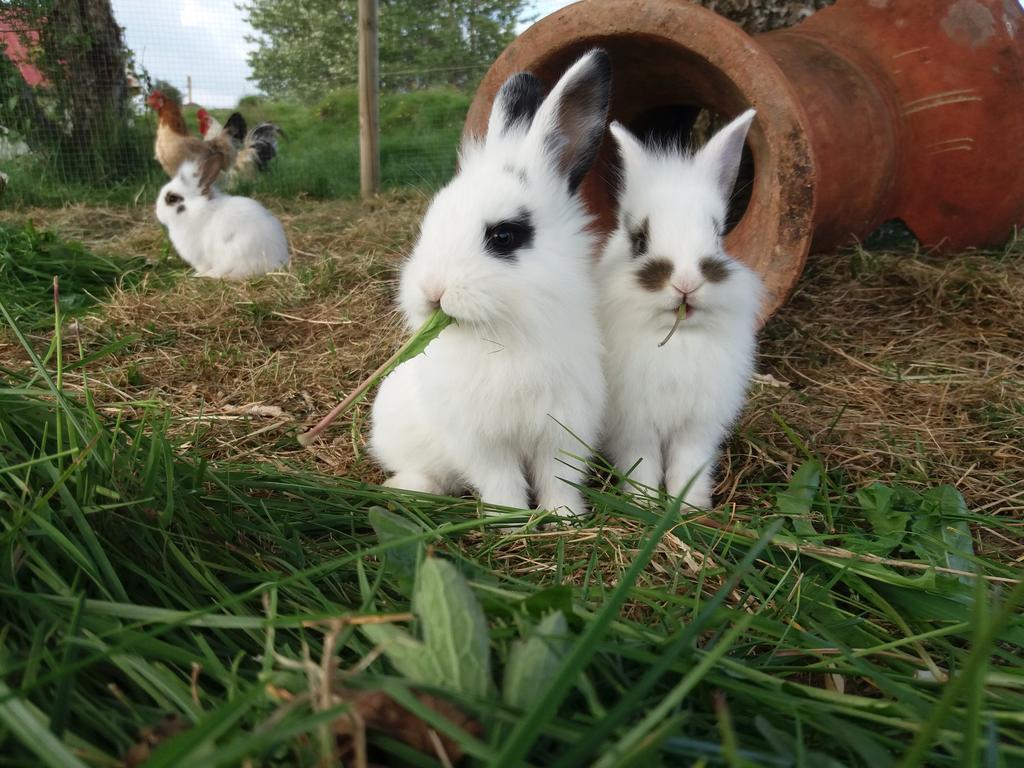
[190, 747]
[917, 755]
[548, 700]
[630, 702]
[633, 738]
[62, 698]
[33, 734]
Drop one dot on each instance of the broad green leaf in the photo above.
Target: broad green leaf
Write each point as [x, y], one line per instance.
[543, 602]
[915, 580]
[942, 536]
[795, 501]
[888, 521]
[454, 627]
[409, 656]
[534, 661]
[400, 561]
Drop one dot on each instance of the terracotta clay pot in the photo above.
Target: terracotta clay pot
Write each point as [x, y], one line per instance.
[870, 110]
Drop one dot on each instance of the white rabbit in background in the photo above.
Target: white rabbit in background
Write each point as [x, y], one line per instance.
[219, 235]
[670, 407]
[502, 400]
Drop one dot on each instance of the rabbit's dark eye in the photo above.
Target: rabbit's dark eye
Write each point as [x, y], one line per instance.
[172, 198]
[506, 237]
[638, 237]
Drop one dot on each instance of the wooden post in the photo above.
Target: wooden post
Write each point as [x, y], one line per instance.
[369, 96]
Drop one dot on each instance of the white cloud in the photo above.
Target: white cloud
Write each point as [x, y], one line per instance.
[204, 39]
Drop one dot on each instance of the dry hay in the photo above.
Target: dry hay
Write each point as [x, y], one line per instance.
[903, 367]
[596, 556]
[240, 365]
[889, 366]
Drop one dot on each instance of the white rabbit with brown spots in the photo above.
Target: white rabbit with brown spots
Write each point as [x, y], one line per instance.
[674, 395]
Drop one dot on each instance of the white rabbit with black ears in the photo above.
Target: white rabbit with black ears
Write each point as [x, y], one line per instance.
[505, 398]
[672, 402]
[224, 236]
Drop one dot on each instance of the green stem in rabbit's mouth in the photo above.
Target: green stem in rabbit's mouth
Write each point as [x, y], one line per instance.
[680, 314]
[429, 331]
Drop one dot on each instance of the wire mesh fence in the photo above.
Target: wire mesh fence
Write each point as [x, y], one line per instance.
[75, 123]
[75, 75]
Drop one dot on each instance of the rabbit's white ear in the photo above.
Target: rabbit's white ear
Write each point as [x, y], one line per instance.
[570, 123]
[515, 105]
[630, 148]
[721, 155]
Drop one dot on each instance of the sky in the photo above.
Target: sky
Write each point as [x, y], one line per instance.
[173, 39]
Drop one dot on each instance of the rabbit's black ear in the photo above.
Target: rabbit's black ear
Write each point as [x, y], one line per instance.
[210, 167]
[573, 118]
[515, 105]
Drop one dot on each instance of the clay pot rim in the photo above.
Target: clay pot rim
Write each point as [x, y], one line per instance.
[725, 48]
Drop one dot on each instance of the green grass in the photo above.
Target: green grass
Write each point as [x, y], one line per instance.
[420, 133]
[29, 260]
[140, 583]
[319, 159]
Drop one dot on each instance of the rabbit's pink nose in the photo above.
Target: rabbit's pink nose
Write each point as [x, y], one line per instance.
[686, 281]
[684, 287]
[433, 293]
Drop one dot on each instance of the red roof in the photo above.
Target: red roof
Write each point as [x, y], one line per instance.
[11, 37]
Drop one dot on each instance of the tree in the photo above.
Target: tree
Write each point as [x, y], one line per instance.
[765, 15]
[308, 47]
[83, 52]
[83, 109]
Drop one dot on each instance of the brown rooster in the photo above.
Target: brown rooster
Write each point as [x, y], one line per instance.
[174, 145]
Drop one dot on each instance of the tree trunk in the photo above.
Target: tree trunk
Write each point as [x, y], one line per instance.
[83, 39]
[765, 15]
